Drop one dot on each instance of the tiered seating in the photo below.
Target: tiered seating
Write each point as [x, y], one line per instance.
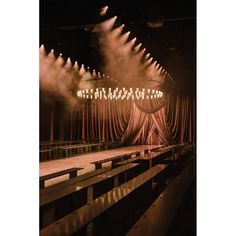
[53, 150]
[71, 171]
[84, 215]
[72, 206]
[159, 220]
[56, 204]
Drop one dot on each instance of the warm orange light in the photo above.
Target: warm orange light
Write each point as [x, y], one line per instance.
[119, 94]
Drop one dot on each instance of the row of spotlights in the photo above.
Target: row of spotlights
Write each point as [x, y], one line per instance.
[119, 94]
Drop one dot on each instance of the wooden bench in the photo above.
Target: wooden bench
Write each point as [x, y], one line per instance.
[153, 158]
[81, 217]
[115, 159]
[165, 205]
[153, 149]
[72, 181]
[56, 204]
[48, 144]
[124, 162]
[43, 154]
[81, 148]
[72, 173]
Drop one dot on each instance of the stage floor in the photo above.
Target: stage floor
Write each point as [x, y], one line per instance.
[83, 161]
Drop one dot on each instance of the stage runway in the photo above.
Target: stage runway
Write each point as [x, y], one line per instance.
[84, 161]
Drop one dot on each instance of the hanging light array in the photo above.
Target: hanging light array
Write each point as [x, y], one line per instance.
[119, 94]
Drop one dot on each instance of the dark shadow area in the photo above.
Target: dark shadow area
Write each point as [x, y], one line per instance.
[184, 222]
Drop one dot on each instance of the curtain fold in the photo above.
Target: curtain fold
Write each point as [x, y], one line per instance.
[161, 121]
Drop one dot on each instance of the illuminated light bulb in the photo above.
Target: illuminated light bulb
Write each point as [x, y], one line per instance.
[153, 91]
[91, 90]
[155, 96]
[143, 89]
[151, 96]
[147, 97]
[91, 96]
[52, 51]
[86, 90]
[83, 91]
[148, 90]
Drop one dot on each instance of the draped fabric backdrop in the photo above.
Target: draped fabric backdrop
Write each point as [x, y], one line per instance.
[167, 120]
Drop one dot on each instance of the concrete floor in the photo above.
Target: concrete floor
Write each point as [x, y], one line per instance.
[84, 161]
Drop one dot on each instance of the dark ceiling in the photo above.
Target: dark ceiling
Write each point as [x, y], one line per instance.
[65, 26]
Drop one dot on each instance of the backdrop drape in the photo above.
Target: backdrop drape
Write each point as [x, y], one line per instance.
[167, 120]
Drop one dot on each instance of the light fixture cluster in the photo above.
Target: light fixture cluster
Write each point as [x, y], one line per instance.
[119, 94]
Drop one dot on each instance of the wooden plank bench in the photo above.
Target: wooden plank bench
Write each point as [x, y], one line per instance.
[167, 203]
[48, 144]
[43, 154]
[72, 181]
[124, 162]
[56, 204]
[81, 148]
[81, 217]
[71, 171]
[153, 158]
[153, 149]
[115, 159]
